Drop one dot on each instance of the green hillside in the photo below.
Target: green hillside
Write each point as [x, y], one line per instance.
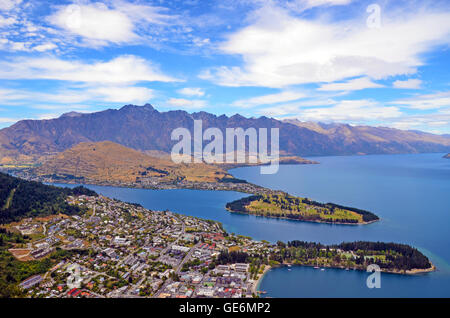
[20, 199]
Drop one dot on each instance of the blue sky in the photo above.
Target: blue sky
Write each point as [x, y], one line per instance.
[383, 63]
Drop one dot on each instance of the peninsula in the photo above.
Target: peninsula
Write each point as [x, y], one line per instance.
[283, 205]
[111, 164]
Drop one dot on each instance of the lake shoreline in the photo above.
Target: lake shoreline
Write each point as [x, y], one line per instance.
[393, 228]
[412, 272]
[256, 285]
[237, 185]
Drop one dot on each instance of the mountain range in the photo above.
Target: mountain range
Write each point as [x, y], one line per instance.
[146, 129]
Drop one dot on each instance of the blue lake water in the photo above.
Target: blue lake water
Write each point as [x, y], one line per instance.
[409, 192]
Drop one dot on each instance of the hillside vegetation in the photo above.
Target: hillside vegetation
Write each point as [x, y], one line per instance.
[20, 199]
[13, 271]
[287, 206]
[391, 257]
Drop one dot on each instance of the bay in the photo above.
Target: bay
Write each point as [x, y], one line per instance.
[409, 192]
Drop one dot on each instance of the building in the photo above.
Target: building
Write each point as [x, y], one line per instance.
[241, 267]
[180, 248]
[120, 241]
[30, 282]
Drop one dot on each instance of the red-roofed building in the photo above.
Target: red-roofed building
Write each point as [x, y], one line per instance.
[70, 292]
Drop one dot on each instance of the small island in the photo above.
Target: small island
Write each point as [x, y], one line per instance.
[447, 156]
[283, 205]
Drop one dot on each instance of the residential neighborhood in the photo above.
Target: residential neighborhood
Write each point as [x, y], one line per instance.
[119, 249]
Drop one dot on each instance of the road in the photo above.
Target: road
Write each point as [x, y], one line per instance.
[185, 259]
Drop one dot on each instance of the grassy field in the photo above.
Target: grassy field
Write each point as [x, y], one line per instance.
[261, 207]
[9, 200]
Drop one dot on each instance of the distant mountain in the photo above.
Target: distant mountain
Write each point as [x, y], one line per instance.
[72, 114]
[374, 140]
[146, 129]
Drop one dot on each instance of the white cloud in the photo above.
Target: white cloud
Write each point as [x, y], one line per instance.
[408, 84]
[6, 21]
[294, 108]
[144, 13]
[435, 123]
[98, 23]
[301, 5]
[186, 103]
[351, 85]
[19, 33]
[191, 91]
[355, 111]
[7, 5]
[201, 42]
[8, 95]
[425, 102]
[62, 107]
[45, 47]
[280, 110]
[19, 46]
[49, 116]
[282, 97]
[296, 50]
[123, 69]
[26, 46]
[74, 96]
[123, 94]
[58, 112]
[95, 22]
[352, 111]
[6, 120]
[328, 2]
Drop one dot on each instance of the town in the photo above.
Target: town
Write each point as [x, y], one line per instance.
[123, 250]
[146, 182]
[114, 249]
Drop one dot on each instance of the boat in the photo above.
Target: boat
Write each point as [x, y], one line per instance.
[322, 269]
[316, 267]
[289, 265]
